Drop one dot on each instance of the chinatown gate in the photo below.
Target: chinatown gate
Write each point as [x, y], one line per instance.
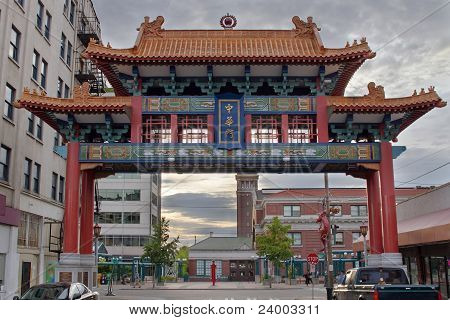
[242, 101]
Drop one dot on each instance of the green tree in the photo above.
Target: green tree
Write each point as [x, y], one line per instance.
[274, 243]
[183, 253]
[159, 250]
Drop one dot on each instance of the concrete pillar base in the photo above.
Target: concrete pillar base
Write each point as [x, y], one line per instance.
[77, 268]
[385, 260]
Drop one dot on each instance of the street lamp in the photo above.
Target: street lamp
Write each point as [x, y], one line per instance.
[97, 232]
[363, 230]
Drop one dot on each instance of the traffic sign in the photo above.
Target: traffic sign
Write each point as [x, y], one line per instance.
[312, 259]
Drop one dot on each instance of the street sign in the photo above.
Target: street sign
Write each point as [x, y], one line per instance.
[312, 259]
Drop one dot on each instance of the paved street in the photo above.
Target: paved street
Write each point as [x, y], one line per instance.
[222, 290]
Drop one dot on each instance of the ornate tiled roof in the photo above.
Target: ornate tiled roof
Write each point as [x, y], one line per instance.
[82, 102]
[299, 45]
[375, 102]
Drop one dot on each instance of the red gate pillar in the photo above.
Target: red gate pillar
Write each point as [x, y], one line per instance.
[390, 233]
[285, 128]
[136, 119]
[374, 205]
[70, 244]
[87, 212]
[322, 119]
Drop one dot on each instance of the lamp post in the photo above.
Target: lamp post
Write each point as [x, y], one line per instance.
[363, 230]
[97, 232]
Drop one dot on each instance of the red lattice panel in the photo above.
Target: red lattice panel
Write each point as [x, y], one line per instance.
[266, 129]
[192, 129]
[302, 129]
[156, 129]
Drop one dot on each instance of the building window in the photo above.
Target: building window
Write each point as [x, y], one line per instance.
[61, 190]
[14, 44]
[302, 129]
[60, 88]
[10, 96]
[39, 15]
[36, 177]
[29, 230]
[266, 129]
[5, 155]
[62, 48]
[204, 268]
[355, 236]
[110, 195]
[131, 218]
[54, 186]
[291, 211]
[156, 129]
[44, 69]
[132, 195]
[296, 238]
[338, 209]
[69, 54]
[154, 199]
[36, 58]
[27, 174]
[72, 12]
[2, 268]
[66, 7]
[154, 220]
[22, 236]
[143, 240]
[192, 129]
[31, 119]
[110, 217]
[338, 238]
[39, 126]
[358, 211]
[48, 23]
[66, 91]
[33, 231]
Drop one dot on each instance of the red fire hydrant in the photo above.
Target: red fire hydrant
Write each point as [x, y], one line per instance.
[213, 273]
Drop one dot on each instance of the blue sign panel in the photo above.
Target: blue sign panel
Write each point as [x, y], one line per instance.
[229, 122]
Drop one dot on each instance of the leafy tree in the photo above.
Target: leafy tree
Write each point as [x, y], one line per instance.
[274, 243]
[183, 253]
[159, 249]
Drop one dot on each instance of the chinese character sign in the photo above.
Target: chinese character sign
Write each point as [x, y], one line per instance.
[229, 123]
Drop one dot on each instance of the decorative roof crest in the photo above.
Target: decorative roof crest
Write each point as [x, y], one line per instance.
[152, 28]
[304, 28]
[375, 92]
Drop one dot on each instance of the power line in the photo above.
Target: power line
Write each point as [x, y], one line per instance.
[413, 25]
[420, 159]
[422, 175]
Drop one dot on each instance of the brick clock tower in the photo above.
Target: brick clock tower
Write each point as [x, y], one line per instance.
[247, 185]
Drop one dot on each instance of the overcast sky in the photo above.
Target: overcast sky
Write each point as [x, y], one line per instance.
[413, 52]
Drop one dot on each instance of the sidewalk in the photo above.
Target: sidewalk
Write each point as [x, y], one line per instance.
[218, 286]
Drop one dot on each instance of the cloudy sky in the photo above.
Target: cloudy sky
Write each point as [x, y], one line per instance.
[412, 42]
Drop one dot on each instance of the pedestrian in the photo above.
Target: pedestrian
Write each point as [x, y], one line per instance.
[340, 279]
[307, 278]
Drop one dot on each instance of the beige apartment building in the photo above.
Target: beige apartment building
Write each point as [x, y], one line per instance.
[40, 46]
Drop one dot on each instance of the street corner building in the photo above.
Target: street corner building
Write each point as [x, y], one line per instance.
[226, 100]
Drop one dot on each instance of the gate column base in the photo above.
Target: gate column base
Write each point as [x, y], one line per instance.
[77, 268]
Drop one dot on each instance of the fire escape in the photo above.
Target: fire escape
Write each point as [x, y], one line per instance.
[88, 28]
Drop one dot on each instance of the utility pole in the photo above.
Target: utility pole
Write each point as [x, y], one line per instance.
[329, 249]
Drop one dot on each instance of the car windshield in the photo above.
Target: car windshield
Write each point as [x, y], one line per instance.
[380, 276]
[46, 293]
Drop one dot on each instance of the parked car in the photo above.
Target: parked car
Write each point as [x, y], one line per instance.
[370, 283]
[59, 291]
